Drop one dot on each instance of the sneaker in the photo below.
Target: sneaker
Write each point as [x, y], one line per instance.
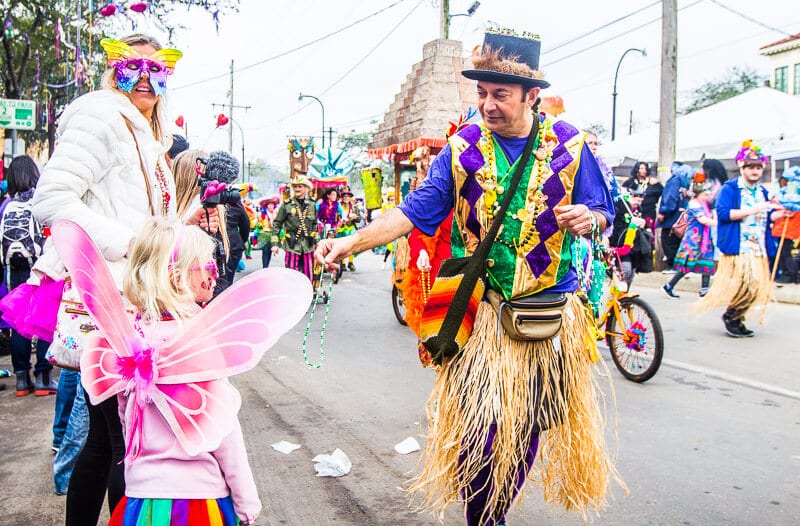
[732, 328]
[670, 292]
[744, 330]
[703, 291]
[351, 267]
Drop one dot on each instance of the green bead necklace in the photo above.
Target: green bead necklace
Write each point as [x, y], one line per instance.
[322, 330]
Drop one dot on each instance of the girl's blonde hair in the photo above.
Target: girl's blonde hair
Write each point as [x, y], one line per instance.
[109, 81]
[187, 189]
[161, 258]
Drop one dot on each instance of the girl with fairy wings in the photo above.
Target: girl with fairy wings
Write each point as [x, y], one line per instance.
[185, 459]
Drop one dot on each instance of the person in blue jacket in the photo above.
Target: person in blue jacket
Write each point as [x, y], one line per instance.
[674, 200]
[745, 212]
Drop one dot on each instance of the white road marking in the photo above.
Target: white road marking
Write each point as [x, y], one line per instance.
[732, 378]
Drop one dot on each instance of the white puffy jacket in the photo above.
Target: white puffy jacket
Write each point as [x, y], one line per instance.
[94, 178]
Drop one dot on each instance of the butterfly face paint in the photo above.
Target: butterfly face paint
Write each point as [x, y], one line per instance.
[130, 64]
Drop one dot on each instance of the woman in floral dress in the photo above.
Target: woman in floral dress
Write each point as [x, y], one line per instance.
[696, 253]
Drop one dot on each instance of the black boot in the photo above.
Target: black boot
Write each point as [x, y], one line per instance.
[24, 384]
[44, 385]
[732, 327]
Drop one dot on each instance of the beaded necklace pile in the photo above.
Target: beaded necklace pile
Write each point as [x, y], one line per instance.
[493, 186]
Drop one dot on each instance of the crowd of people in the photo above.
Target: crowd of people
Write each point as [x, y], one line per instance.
[163, 225]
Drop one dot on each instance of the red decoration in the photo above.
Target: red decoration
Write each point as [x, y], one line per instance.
[179, 121]
[108, 10]
[222, 120]
[139, 7]
[699, 177]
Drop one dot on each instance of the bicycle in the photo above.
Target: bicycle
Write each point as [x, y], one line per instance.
[629, 326]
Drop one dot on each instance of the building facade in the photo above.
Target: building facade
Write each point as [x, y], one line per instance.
[784, 56]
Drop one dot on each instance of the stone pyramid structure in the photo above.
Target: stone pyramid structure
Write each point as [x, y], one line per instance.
[433, 94]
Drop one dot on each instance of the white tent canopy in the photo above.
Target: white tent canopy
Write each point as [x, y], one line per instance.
[768, 116]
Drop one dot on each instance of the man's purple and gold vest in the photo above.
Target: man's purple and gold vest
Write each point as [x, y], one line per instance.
[531, 253]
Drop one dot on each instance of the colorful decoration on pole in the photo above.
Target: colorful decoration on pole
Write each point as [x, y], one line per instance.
[301, 152]
[179, 122]
[222, 120]
[330, 168]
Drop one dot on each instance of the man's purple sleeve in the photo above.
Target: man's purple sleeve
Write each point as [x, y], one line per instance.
[427, 206]
[590, 187]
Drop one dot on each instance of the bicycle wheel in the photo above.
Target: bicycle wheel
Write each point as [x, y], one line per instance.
[398, 305]
[637, 347]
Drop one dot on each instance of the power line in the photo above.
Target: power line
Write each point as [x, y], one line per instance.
[565, 57]
[595, 30]
[750, 18]
[298, 48]
[273, 123]
[373, 49]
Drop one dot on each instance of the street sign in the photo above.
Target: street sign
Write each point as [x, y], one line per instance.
[17, 114]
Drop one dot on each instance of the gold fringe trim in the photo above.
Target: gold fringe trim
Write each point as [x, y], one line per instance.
[740, 282]
[494, 380]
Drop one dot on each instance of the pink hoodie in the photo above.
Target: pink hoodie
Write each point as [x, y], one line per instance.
[164, 470]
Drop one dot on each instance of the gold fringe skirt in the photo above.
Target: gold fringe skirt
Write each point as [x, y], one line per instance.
[494, 383]
[740, 282]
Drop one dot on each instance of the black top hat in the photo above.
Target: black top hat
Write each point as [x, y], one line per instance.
[508, 59]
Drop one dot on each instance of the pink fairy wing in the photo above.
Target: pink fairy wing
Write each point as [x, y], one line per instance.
[200, 414]
[100, 371]
[231, 334]
[90, 275]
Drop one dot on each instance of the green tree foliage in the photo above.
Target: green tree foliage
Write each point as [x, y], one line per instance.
[34, 66]
[734, 82]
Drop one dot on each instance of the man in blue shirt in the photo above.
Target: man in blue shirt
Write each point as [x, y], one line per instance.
[561, 194]
[745, 212]
[674, 200]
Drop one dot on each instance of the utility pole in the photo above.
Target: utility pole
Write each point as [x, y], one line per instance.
[669, 70]
[444, 23]
[230, 114]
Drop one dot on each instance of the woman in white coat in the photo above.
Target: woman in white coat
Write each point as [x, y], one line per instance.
[108, 173]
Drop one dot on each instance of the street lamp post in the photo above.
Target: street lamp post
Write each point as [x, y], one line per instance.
[614, 94]
[301, 97]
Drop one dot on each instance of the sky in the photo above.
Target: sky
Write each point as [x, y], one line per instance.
[357, 72]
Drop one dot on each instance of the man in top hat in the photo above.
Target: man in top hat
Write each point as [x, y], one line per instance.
[744, 212]
[297, 217]
[512, 394]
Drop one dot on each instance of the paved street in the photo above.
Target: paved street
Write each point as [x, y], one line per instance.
[714, 438]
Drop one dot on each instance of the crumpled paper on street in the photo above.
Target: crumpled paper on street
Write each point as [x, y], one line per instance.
[334, 465]
[285, 447]
[407, 446]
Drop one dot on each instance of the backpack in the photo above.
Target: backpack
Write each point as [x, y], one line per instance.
[21, 236]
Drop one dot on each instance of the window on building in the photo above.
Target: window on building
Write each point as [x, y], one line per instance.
[781, 80]
[797, 79]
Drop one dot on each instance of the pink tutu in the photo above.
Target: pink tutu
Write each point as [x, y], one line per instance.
[32, 310]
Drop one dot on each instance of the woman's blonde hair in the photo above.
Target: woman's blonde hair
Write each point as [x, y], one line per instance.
[161, 258]
[109, 81]
[186, 189]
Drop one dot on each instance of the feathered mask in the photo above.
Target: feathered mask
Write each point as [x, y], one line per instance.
[750, 153]
[130, 64]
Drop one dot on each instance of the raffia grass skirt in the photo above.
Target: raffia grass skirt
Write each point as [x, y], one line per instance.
[740, 282]
[494, 380]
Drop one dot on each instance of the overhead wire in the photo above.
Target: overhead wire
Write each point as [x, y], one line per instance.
[289, 51]
[631, 30]
[337, 81]
[750, 18]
